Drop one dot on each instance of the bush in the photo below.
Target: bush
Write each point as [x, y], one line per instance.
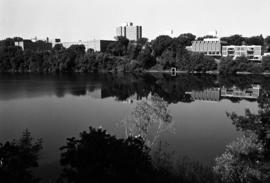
[99, 157]
[228, 65]
[18, 157]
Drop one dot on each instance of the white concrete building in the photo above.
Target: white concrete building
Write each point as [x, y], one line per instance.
[253, 52]
[128, 30]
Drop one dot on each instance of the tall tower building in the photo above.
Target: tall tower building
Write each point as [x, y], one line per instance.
[128, 30]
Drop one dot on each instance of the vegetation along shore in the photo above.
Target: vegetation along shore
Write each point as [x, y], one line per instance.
[160, 55]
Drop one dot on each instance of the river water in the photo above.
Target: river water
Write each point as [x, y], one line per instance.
[57, 106]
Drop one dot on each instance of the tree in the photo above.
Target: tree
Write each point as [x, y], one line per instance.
[142, 41]
[58, 47]
[255, 40]
[148, 115]
[133, 50]
[204, 37]
[97, 156]
[240, 162]
[145, 58]
[167, 59]
[267, 43]
[228, 65]
[160, 44]
[119, 47]
[266, 63]
[248, 158]
[18, 158]
[234, 40]
[186, 39]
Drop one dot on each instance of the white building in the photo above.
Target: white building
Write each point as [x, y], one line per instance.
[209, 46]
[253, 52]
[128, 30]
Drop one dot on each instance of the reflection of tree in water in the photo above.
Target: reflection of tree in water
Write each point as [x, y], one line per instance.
[149, 117]
[247, 159]
[17, 158]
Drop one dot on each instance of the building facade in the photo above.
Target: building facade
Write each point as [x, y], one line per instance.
[96, 45]
[129, 31]
[253, 52]
[210, 47]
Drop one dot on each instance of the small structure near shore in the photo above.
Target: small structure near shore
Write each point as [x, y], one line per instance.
[173, 71]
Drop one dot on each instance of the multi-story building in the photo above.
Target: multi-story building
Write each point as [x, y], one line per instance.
[96, 45]
[209, 46]
[253, 52]
[131, 32]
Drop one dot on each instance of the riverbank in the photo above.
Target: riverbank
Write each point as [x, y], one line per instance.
[150, 71]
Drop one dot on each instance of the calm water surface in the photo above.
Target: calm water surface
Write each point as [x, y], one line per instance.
[55, 107]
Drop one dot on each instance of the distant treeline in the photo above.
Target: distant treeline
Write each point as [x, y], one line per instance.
[123, 55]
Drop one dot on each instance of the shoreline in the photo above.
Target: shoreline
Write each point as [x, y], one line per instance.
[144, 71]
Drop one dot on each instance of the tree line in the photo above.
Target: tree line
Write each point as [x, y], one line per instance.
[123, 55]
[120, 56]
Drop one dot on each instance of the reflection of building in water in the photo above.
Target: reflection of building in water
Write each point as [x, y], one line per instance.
[96, 94]
[211, 94]
[234, 92]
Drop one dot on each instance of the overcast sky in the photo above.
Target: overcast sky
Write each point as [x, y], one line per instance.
[73, 20]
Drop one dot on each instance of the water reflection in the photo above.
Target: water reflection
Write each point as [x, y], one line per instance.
[183, 88]
[69, 102]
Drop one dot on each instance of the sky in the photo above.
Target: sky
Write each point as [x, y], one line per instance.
[73, 20]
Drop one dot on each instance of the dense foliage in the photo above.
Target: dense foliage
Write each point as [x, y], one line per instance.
[99, 157]
[247, 159]
[121, 56]
[228, 65]
[18, 157]
[240, 40]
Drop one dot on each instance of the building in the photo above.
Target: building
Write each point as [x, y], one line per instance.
[55, 42]
[34, 45]
[209, 46]
[131, 32]
[266, 54]
[211, 94]
[235, 92]
[253, 52]
[96, 45]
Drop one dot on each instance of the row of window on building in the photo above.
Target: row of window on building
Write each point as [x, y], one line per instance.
[215, 47]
